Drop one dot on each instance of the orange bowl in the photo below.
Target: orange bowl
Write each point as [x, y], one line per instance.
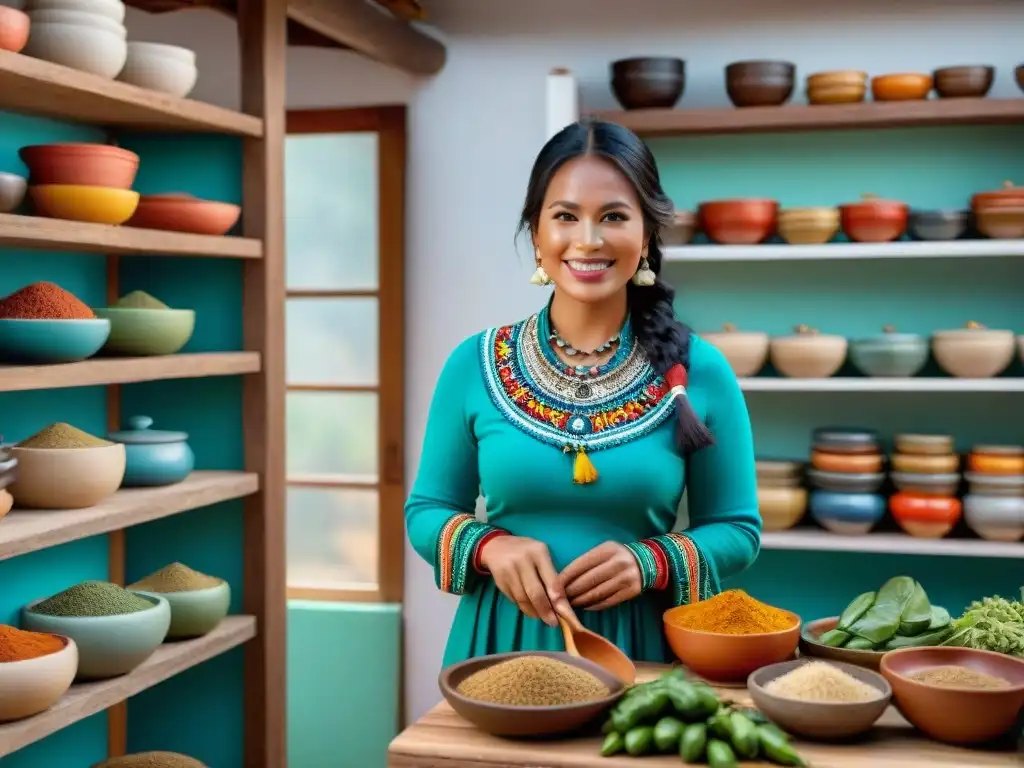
[14, 27]
[721, 658]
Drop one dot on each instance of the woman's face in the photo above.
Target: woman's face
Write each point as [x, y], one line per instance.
[590, 233]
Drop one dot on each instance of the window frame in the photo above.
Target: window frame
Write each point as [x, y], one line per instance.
[389, 123]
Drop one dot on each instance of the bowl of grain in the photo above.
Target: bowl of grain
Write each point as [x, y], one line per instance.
[151, 760]
[956, 695]
[529, 693]
[819, 699]
[198, 602]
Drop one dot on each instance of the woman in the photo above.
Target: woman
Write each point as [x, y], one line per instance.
[564, 422]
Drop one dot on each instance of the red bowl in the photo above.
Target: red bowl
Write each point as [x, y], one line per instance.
[14, 27]
[90, 165]
[874, 221]
[924, 516]
[738, 222]
[185, 213]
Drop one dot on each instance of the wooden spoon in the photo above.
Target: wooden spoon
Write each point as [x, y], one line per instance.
[581, 642]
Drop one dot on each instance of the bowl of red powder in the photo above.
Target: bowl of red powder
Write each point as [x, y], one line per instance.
[42, 324]
[36, 669]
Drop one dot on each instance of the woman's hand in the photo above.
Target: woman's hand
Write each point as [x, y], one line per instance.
[605, 576]
[523, 571]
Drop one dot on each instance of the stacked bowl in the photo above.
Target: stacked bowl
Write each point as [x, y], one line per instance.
[994, 505]
[780, 496]
[87, 35]
[160, 67]
[925, 471]
[846, 474]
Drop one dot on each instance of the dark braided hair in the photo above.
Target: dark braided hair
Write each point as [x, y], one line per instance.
[663, 337]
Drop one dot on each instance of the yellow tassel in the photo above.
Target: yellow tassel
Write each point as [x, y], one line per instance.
[583, 469]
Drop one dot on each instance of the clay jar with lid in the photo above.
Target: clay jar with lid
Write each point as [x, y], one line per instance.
[743, 221]
[746, 351]
[890, 355]
[1007, 196]
[873, 220]
[807, 354]
[154, 456]
[808, 226]
[681, 230]
[974, 351]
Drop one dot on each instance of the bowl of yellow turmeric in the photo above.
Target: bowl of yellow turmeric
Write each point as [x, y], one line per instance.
[726, 637]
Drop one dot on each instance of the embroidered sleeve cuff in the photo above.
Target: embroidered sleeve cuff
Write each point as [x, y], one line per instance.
[686, 575]
[457, 548]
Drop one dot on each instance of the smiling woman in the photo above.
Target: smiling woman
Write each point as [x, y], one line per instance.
[582, 425]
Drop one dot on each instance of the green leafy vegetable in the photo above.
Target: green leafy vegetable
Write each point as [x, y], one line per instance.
[857, 608]
[882, 620]
[992, 624]
[917, 614]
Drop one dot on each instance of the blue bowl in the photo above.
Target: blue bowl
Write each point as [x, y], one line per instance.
[851, 514]
[51, 341]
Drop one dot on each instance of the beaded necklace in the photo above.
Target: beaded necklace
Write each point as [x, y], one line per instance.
[547, 331]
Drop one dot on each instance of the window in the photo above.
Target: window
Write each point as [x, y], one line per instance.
[344, 218]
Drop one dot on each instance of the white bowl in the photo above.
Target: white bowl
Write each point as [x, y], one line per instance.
[78, 19]
[12, 191]
[67, 478]
[34, 685]
[162, 50]
[111, 9]
[87, 49]
[149, 68]
[996, 518]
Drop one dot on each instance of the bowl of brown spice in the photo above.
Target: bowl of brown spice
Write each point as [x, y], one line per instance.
[529, 693]
[956, 695]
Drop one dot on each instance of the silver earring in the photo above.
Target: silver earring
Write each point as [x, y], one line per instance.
[540, 277]
[644, 277]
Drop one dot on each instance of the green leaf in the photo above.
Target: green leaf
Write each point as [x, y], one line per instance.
[882, 620]
[857, 608]
[917, 613]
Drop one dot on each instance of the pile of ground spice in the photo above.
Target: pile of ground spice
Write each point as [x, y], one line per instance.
[532, 681]
[959, 677]
[61, 435]
[19, 645]
[139, 300]
[821, 682]
[732, 612]
[44, 301]
[151, 760]
[176, 577]
[93, 598]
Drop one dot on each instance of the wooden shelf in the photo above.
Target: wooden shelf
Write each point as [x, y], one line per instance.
[126, 370]
[889, 543]
[865, 384]
[24, 530]
[40, 87]
[87, 699]
[60, 235]
[956, 249]
[797, 117]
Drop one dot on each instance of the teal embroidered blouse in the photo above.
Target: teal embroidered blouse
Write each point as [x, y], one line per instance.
[505, 421]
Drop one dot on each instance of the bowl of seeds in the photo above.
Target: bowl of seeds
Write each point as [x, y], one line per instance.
[198, 602]
[115, 629]
[151, 760]
[529, 693]
[142, 325]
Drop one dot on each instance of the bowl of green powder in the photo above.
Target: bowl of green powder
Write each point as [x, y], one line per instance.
[141, 325]
[115, 629]
[198, 602]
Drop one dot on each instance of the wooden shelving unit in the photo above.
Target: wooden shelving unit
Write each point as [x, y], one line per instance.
[888, 543]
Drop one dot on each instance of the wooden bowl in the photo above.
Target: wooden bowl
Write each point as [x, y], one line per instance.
[964, 82]
[654, 82]
[974, 351]
[89, 165]
[502, 720]
[924, 516]
[34, 685]
[744, 221]
[837, 78]
[873, 220]
[956, 715]
[807, 354]
[836, 94]
[781, 508]
[901, 87]
[759, 83]
[14, 28]
[745, 351]
[808, 226]
[185, 213]
[811, 645]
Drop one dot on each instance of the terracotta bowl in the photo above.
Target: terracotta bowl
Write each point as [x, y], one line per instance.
[501, 720]
[738, 222]
[648, 82]
[1000, 223]
[816, 719]
[808, 355]
[1007, 196]
[973, 352]
[88, 165]
[964, 82]
[781, 508]
[34, 685]
[721, 658]
[925, 516]
[681, 230]
[956, 715]
[14, 27]
[872, 220]
[759, 83]
[810, 645]
[746, 351]
[901, 87]
[185, 213]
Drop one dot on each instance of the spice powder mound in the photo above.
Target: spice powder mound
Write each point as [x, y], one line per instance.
[139, 300]
[151, 760]
[44, 301]
[176, 577]
[61, 435]
[732, 612]
[93, 598]
[532, 681]
[821, 682]
[959, 677]
[19, 645]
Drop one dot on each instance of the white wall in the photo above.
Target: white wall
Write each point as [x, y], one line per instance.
[474, 131]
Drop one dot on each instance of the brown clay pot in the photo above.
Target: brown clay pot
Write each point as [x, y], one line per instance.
[90, 165]
[1008, 196]
[744, 221]
[901, 87]
[654, 82]
[872, 220]
[759, 83]
[964, 82]
[185, 213]
[14, 26]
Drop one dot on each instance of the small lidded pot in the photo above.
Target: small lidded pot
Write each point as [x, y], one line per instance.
[154, 456]
[746, 351]
[974, 351]
[890, 355]
[807, 354]
[873, 220]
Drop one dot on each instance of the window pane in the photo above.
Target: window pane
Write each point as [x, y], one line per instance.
[332, 341]
[332, 538]
[332, 433]
[331, 214]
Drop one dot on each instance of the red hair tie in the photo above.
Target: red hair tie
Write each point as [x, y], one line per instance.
[677, 379]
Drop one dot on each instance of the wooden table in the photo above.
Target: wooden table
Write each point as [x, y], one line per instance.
[442, 739]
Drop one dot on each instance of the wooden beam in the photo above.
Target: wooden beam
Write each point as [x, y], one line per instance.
[372, 31]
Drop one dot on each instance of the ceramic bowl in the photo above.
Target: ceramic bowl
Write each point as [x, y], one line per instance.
[808, 226]
[195, 613]
[88, 49]
[1007, 196]
[811, 645]
[927, 484]
[14, 29]
[996, 460]
[890, 355]
[46, 342]
[937, 225]
[67, 478]
[996, 518]
[12, 190]
[502, 720]
[974, 351]
[995, 485]
[185, 213]
[849, 463]
[759, 83]
[924, 445]
[77, 19]
[1001, 223]
[648, 82]
[925, 516]
[918, 464]
[738, 222]
[90, 165]
[95, 205]
[781, 508]
[807, 354]
[681, 230]
[846, 482]
[111, 9]
[158, 67]
[901, 87]
[154, 457]
[34, 685]
[145, 332]
[721, 658]
[778, 469]
[964, 81]
[819, 720]
[108, 646]
[872, 220]
[956, 715]
[849, 514]
[845, 440]
[746, 352]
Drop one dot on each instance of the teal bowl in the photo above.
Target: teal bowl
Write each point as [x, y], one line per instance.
[51, 341]
[147, 332]
[108, 646]
[197, 612]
